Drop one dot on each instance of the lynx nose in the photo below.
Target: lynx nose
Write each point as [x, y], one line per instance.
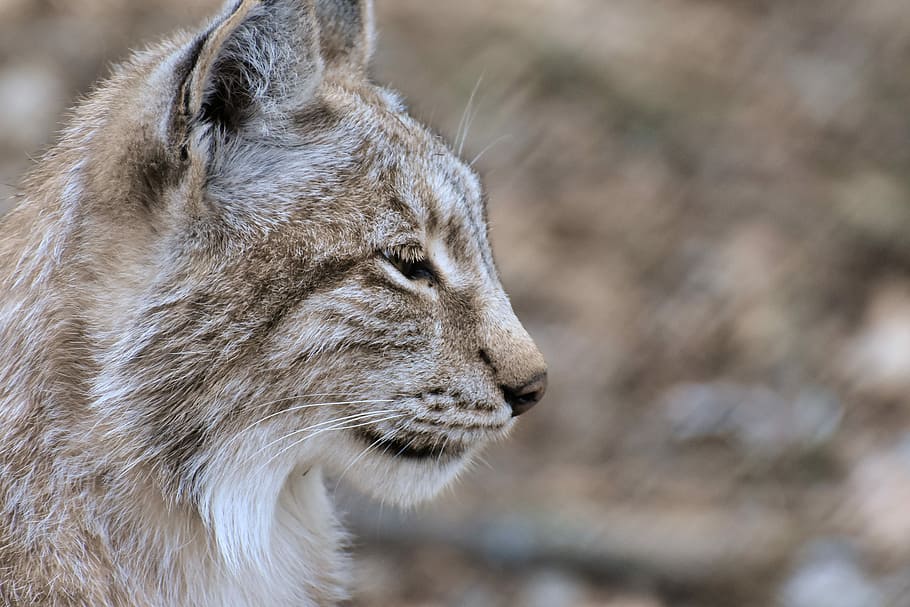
[522, 398]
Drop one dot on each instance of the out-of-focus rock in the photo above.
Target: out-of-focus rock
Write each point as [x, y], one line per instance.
[627, 601]
[877, 358]
[753, 263]
[666, 544]
[10, 9]
[758, 419]
[829, 575]
[828, 82]
[481, 596]
[31, 96]
[551, 588]
[10, 177]
[897, 588]
[884, 19]
[877, 502]
[875, 205]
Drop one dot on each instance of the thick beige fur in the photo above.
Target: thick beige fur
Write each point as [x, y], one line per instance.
[243, 266]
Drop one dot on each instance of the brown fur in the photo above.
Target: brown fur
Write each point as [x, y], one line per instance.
[242, 265]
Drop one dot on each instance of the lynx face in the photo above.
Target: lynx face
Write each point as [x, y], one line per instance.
[291, 273]
[243, 262]
[382, 340]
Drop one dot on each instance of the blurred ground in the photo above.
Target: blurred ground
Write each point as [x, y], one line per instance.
[702, 210]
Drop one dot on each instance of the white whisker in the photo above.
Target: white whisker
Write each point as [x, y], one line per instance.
[406, 447]
[338, 427]
[442, 449]
[337, 420]
[465, 123]
[299, 397]
[309, 406]
[482, 460]
[489, 147]
[372, 445]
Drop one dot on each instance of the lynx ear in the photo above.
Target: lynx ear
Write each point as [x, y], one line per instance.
[260, 59]
[347, 33]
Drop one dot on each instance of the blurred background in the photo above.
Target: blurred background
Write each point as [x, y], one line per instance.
[702, 211]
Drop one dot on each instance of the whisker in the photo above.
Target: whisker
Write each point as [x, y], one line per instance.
[336, 402]
[344, 419]
[406, 447]
[338, 427]
[482, 460]
[467, 129]
[309, 406]
[298, 397]
[464, 123]
[442, 449]
[372, 445]
[489, 147]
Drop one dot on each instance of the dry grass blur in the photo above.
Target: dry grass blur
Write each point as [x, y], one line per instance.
[702, 210]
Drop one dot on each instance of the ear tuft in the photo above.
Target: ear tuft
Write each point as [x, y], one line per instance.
[260, 59]
[347, 33]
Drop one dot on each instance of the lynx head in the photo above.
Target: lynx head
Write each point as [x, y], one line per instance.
[288, 270]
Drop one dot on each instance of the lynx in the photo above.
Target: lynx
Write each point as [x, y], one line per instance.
[242, 267]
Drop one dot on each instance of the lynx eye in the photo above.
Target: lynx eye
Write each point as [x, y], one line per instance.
[412, 265]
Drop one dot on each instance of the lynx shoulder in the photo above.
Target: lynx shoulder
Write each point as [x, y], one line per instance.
[242, 267]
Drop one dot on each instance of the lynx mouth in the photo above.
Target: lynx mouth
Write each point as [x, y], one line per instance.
[418, 447]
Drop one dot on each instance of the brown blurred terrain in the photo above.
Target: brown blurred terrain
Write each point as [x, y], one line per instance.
[702, 211]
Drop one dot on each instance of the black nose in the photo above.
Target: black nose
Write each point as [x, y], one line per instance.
[524, 397]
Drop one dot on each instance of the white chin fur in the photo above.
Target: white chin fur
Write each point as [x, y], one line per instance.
[241, 508]
[400, 480]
